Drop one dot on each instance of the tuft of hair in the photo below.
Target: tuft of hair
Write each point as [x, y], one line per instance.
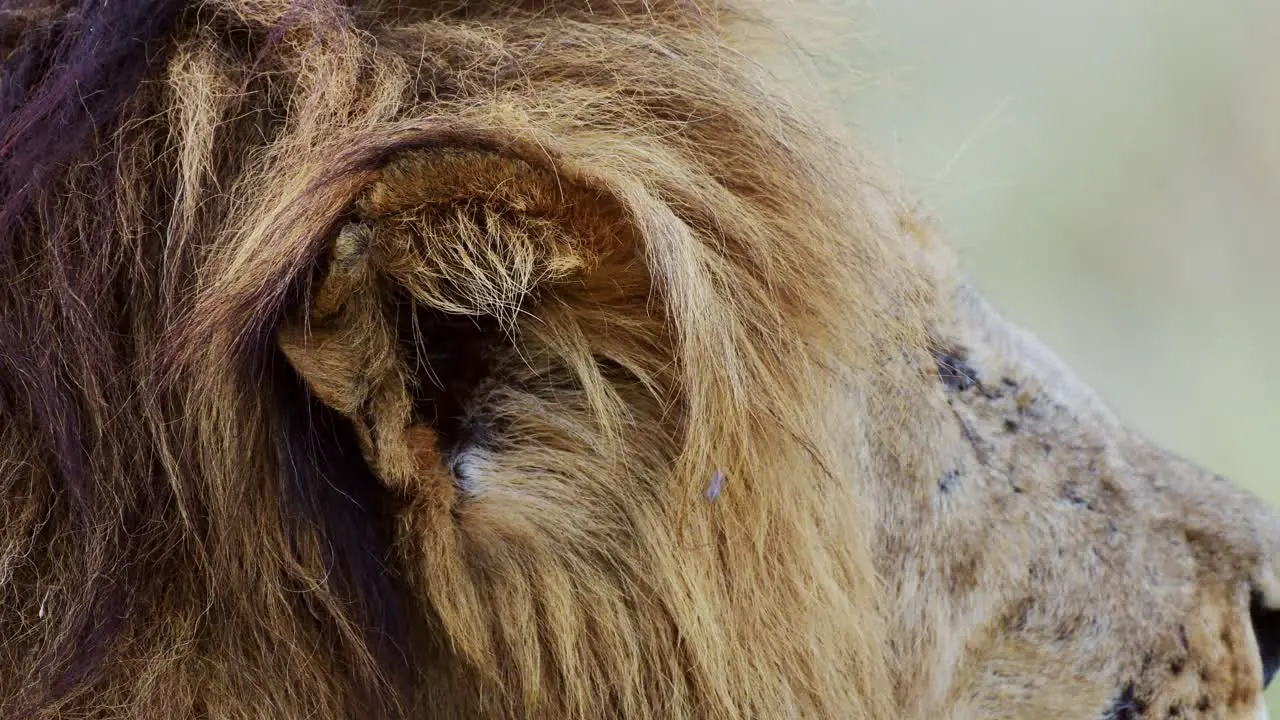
[432, 359]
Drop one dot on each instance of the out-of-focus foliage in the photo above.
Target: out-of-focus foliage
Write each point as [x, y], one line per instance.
[1111, 174]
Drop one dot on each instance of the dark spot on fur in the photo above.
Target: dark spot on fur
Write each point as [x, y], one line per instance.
[1203, 704]
[955, 372]
[1072, 494]
[962, 575]
[1020, 616]
[1175, 711]
[1113, 532]
[1126, 706]
[948, 481]
[1010, 426]
[1176, 667]
[992, 392]
[1243, 696]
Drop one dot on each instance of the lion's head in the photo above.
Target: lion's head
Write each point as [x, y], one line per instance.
[536, 359]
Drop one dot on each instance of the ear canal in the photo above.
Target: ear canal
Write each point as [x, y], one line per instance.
[441, 255]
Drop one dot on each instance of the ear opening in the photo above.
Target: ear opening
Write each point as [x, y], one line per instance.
[452, 355]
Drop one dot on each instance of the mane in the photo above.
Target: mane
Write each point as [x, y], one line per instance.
[206, 511]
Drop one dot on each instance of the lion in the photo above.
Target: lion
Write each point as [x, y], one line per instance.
[544, 359]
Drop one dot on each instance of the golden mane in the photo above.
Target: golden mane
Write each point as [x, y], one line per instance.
[436, 359]
[539, 360]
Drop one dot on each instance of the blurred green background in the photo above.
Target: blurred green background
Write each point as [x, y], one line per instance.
[1110, 172]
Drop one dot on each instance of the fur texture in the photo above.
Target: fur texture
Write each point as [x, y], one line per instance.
[527, 359]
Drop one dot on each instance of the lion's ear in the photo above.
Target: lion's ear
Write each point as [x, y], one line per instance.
[441, 255]
[475, 233]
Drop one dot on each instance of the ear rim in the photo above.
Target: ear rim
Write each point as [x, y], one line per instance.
[264, 268]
